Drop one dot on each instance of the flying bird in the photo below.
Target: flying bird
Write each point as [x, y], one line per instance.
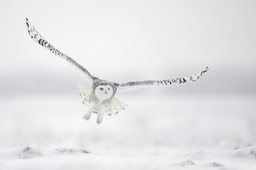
[100, 96]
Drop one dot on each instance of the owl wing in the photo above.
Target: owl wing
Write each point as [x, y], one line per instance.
[84, 92]
[133, 85]
[34, 34]
[116, 106]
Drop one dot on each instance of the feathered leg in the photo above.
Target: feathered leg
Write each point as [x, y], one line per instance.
[102, 110]
[90, 110]
[99, 118]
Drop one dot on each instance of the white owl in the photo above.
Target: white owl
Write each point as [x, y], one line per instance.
[100, 96]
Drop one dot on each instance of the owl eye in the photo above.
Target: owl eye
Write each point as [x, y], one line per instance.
[101, 88]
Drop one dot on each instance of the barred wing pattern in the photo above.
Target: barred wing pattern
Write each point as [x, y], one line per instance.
[139, 84]
[34, 34]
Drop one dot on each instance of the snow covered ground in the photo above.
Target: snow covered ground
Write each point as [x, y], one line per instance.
[154, 132]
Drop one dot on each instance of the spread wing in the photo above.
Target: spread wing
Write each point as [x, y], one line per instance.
[133, 85]
[34, 34]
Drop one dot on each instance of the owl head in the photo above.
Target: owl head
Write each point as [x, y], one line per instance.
[104, 91]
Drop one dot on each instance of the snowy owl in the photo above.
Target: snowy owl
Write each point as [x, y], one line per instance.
[100, 96]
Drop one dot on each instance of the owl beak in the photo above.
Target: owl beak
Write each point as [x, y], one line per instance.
[106, 92]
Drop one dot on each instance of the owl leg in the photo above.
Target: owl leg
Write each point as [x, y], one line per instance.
[102, 110]
[99, 118]
[89, 112]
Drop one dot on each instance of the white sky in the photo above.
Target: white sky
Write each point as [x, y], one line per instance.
[135, 36]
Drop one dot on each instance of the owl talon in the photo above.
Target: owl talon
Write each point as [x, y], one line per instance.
[99, 122]
[99, 119]
[87, 116]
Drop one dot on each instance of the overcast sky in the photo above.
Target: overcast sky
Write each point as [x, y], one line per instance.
[130, 37]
